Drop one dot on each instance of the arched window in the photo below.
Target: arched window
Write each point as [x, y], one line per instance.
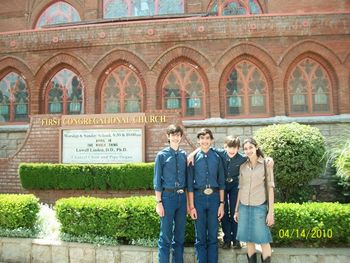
[246, 91]
[130, 8]
[65, 93]
[122, 91]
[59, 12]
[309, 88]
[13, 98]
[183, 88]
[235, 7]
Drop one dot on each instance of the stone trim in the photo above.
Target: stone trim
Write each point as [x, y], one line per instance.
[26, 250]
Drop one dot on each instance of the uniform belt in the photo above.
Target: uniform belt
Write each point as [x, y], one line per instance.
[208, 190]
[174, 190]
[231, 179]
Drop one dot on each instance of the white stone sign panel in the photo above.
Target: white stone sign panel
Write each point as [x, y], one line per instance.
[102, 146]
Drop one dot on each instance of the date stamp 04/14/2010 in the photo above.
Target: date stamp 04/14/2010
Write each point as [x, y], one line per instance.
[305, 233]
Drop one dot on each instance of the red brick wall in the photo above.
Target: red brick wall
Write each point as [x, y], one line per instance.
[20, 14]
[41, 145]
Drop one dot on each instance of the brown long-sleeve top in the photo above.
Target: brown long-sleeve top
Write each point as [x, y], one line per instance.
[252, 182]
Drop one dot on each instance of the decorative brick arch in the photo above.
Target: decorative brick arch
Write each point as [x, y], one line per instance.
[180, 51]
[170, 65]
[111, 61]
[263, 5]
[55, 64]
[40, 6]
[256, 55]
[262, 67]
[321, 54]
[9, 64]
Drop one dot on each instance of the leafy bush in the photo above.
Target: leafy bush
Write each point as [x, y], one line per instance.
[126, 219]
[313, 224]
[18, 213]
[339, 155]
[297, 151]
[86, 176]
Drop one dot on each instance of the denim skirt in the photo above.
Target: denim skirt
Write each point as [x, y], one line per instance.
[252, 225]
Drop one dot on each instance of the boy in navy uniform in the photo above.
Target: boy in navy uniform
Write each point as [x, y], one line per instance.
[232, 161]
[170, 172]
[206, 184]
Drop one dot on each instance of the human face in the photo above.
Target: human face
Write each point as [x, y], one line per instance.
[204, 142]
[250, 150]
[175, 139]
[231, 151]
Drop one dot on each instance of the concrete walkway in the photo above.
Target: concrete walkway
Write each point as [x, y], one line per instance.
[17, 250]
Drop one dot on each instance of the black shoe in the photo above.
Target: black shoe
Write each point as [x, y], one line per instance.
[236, 245]
[252, 259]
[227, 245]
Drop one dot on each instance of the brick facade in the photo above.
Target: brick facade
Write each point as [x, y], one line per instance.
[275, 42]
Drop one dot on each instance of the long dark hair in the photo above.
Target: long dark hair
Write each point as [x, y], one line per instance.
[252, 141]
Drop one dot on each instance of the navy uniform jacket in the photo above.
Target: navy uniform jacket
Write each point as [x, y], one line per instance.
[170, 169]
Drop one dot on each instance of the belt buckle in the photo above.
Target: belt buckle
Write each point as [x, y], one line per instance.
[208, 191]
[180, 191]
[229, 180]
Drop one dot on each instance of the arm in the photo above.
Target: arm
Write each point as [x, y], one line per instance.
[221, 211]
[270, 219]
[190, 157]
[192, 209]
[158, 186]
[235, 216]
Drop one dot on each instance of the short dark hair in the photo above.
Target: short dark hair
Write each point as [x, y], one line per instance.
[232, 141]
[172, 129]
[205, 131]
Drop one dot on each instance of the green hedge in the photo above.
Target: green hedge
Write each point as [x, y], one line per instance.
[18, 211]
[124, 219]
[86, 176]
[315, 224]
[127, 219]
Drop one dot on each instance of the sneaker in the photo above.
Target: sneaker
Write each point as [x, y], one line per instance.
[236, 245]
[226, 245]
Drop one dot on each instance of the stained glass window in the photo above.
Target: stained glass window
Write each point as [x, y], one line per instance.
[246, 90]
[309, 88]
[59, 12]
[235, 7]
[183, 89]
[131, 8]
[13, 98]
[122, 91]
[65, 93]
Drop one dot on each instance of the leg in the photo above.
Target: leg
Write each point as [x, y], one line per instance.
[225, 221]
[166, 228]
[266, 252]
[179, 229]
[233, 199]
[251, 249]
[201, 228]
[212, 227]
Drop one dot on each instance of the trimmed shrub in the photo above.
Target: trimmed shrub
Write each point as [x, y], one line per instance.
[125, 219]
[18, 211]
[298, 152]
[134, 219]
[339, 156]
[312, 224]
[86, 176]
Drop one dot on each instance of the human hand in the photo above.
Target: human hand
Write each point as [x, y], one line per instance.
[221, 211]
[270, 219]
[160, 209]
[235, 216]
[193, 213]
